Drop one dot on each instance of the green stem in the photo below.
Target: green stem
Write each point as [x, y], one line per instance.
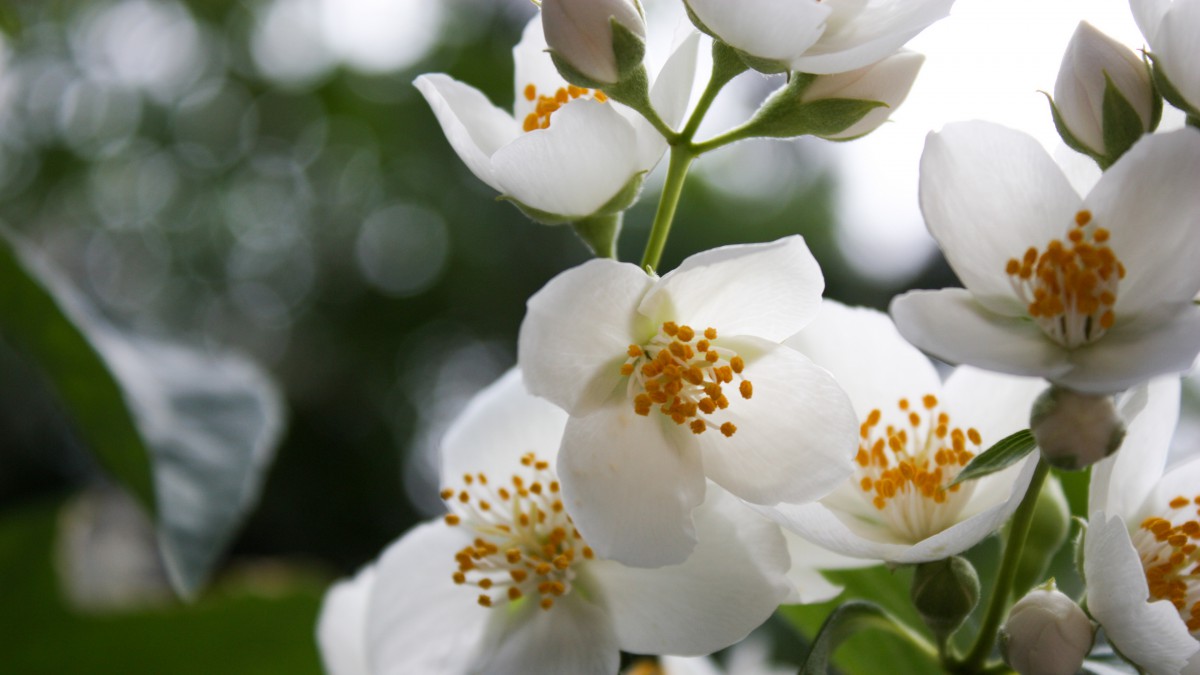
[998, 603]
[681, 159]
[1193, 121]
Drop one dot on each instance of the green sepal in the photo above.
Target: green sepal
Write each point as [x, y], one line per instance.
[1047, 531]
[727, 64]
[945, 592]
[1168, 90]
[1006, 452]
[1121, 124]
[1069, 138]
[600, 233]
[786, 115]
[1077, 546]
[848, 619]
[623, 199]
[1156, 98]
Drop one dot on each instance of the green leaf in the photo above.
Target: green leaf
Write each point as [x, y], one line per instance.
[190, 433]
[848, 619]
[1006, 452]
[1121, 124]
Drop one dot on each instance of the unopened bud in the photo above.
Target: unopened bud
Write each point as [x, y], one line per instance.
[600, 40]
[1046, 634]
[887, 81]
[944, 592]
[1075, 430]
[1103, 97]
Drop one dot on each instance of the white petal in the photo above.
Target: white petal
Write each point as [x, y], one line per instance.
[732, 583]
[1149, 203]
[688, 665]
[880, 29]
[821, 525]
[533, 65]
[1120, 484]
[995, 405]
[1149, 14]
[796, 436]
[769, 29]
[766, 290]
[1175, 45]
[418, 620]
[574, 636]
[866, 355]
[342, 625]
[629, 490]
[673, 88]
[498, 426]
[1181, 481]
[1150, 633]
[475, 128]
[575, 166]
[807, 559]
[989, 193]
[576, 331]
[950, 325]
[1133, 352]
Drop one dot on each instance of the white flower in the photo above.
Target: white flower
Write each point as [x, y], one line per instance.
[1046, 634]
[1094, 294]
[751, 656]
[506, 584]
[888, 81]
[1140, 555]
[565, 152]
[815, 36]
[580, 31]
[671, 380]
[915, 437]
[1171, 26]
[1092, 60]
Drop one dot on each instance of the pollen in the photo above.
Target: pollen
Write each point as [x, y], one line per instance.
[1070, 289]
[682, 373]
[524, 543]
[906, 458]
[1168, 547]
[546, 104]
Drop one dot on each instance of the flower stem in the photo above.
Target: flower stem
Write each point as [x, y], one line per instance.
[998, 603]
[677, 168]
[1193, 121]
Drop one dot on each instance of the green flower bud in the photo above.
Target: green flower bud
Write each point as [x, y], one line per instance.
[944, 592]
[600, 41]
[1075, 430]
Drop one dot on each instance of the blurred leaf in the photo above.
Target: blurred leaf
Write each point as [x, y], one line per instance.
[848, 619]
[255, 625]
[1006, 452]
[874, 652]
[208, 422]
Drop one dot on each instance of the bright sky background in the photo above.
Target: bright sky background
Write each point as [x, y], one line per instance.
[988, 61]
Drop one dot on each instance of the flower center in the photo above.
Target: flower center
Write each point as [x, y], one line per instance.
[683, 373]
[1171, 558]
[902, 469]
[545, 106]
[1070, 289]
[525, 543]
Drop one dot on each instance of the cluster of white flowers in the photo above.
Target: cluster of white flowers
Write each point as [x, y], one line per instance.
[676, 456]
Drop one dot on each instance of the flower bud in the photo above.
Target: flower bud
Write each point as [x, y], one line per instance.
[887, 81]
[944, 592]
[600, 40]
[1104, 100]
[1046, 634]
[1075, 430]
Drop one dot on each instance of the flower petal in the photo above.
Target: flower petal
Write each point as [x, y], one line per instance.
[766, 290]
[851, 537]
[630, 491]
[993, 404]
[769, 29]
[1151, 634]
[988, 194]
[1133, 352]
[734, 580]
[670, 95]
[498, 426]
[574, 167]
[342, 625]
[874, 33]
[866, 355]
[1148, 14]
[1175, 47]
[574, 636]
[1149, 203]
[475, 128]
[418, 620]
[952, 326]
[807, 560]
[796, 437]
[1151, 413]
[1182, 480]
[532, 65]
[576, 331]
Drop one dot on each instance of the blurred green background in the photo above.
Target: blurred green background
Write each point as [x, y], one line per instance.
[261, 175]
